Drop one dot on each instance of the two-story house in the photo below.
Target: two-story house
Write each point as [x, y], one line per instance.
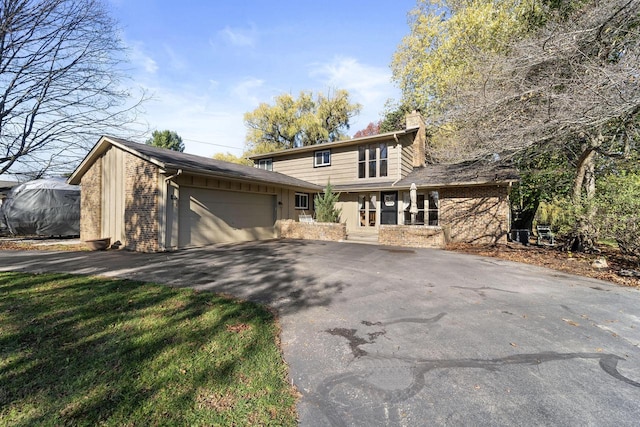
[374, 175]
[151, 199]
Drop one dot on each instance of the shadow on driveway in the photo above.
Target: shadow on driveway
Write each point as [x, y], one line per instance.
[265, 272]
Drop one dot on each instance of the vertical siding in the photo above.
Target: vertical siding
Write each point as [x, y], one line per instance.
[113, 194]
[169, 201]
[349, 205]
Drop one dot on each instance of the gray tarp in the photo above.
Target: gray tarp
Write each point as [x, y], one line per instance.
[44, 207]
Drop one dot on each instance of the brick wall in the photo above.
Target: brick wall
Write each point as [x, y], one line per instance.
[290, 229]
[475, 214]
[417, 236]
[141, 205]
[91, 203]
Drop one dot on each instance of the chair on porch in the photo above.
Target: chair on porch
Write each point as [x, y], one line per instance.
[545, 234]
[304, 217]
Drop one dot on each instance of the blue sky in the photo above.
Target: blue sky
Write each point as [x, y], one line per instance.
[206, 63]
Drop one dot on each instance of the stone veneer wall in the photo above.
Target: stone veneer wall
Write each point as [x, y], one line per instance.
[417, 236]
[141, 205]
[91, 203]
[291, 229]
[475, 214]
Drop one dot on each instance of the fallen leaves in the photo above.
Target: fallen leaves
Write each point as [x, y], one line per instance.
[554, 258]
[571, 322]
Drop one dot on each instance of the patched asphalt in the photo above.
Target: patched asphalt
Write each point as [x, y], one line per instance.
[377, 335]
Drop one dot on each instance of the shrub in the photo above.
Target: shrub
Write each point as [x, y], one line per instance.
[325, 204]
[618, 210]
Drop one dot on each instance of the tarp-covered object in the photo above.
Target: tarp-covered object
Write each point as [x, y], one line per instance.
[44, 207]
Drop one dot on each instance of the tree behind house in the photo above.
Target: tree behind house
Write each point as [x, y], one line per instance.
[325, 205]
[296, 122]
[166, 139]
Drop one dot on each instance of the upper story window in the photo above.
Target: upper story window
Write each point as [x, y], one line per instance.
[266, 164]
[373, 160]
[322, 158]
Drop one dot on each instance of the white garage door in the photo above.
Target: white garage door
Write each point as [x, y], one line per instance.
[214, 216]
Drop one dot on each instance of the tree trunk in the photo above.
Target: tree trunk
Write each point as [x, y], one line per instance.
[584, 235]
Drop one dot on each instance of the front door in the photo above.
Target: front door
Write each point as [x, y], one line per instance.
[368, 207]
[389, 207]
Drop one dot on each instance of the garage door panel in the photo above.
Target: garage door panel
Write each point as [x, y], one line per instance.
[213, 216]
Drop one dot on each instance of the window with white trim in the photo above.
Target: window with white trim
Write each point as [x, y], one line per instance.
[322, 158]
[302, 201]
[266, 164]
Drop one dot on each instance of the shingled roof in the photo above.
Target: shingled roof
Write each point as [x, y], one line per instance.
[173, 160]
[469, 173]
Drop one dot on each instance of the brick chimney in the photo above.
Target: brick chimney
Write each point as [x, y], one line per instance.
[415, 120]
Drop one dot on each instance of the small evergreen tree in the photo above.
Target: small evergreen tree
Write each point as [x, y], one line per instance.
[326, 210]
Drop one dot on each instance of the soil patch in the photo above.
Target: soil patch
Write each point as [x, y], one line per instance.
[580, 264]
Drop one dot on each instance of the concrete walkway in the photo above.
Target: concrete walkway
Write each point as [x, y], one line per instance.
[394, 336]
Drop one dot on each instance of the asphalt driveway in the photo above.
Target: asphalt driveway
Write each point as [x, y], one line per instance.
[377, 335]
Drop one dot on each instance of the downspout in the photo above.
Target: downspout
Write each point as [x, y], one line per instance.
[395, 137]
[166, 203]
[175, 175]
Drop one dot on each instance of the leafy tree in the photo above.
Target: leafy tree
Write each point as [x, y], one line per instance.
[60, 87]
[534, 81]
[292, 122]
[545, 175]
[325, 205]
[618, 207]
[371, 129]
[166, 139]
[448, 38]
[231, 158]
[394, 116]
[571, 86]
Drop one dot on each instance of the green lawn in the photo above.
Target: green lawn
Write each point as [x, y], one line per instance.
[88, 351]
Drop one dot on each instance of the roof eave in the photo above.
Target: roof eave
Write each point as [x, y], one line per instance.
[100, 148]
[328, 145]
[170, 169]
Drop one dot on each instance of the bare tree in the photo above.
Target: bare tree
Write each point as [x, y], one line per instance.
[576, 82]
[60, 82]
[573, 87]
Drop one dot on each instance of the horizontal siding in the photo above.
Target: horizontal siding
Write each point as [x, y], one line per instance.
[343, 168]
[407, 160]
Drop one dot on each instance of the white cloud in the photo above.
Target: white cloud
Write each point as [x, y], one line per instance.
[247, 91]
[140, 59]
[239, 37]
[207, 125]
[369, 85]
